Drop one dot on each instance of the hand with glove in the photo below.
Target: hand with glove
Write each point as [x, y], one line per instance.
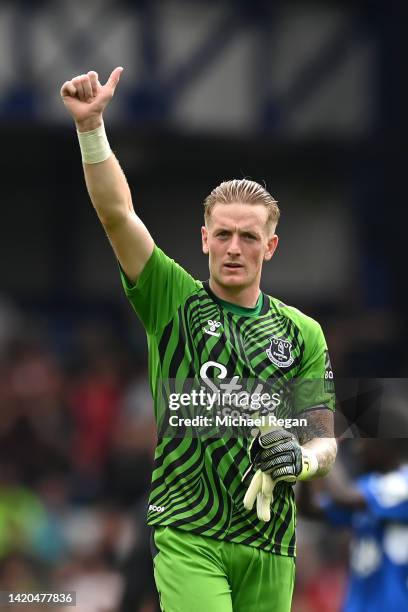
[277, 456]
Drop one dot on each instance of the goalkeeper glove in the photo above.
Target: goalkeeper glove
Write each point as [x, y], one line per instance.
[277, 456]
[261, 490]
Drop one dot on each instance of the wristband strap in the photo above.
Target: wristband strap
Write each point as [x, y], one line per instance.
[94, 145]
[310, 465]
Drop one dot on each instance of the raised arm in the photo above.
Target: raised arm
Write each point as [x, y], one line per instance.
[86, 99]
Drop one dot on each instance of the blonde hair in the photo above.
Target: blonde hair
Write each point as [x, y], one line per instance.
[242, 191]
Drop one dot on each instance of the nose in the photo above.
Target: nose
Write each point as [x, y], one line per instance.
[234, 248]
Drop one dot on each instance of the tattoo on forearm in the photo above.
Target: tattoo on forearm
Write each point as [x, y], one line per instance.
[320, 429]
[319, 425]
[326, 457]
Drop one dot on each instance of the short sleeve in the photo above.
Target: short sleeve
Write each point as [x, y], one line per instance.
[162, 286]
[315, 380]
[386, 495]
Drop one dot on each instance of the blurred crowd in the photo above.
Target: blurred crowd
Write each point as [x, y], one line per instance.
[311, 95]
[77, 437]
[76, 444]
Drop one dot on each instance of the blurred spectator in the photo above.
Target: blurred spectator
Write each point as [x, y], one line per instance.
[34, 429]
[133, 442]
[21, 573]
[320, 567]
[375, 508]
[22, 513]
[93, 398]
[96, 584]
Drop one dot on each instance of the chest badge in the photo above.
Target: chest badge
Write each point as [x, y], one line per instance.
[212, 328]
[280, 352]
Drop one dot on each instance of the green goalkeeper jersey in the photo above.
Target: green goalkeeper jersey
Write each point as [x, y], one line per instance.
[197, 480]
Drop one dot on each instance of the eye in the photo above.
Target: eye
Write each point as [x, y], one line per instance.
[250, 237]
[222, 234]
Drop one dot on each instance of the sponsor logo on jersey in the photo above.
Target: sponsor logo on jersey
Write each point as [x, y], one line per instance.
[279, 352]
[212, 328]
[328, 374]
[156, 508]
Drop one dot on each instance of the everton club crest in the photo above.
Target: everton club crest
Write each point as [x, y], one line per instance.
[279, 352]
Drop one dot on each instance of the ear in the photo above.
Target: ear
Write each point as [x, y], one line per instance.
[204, 240]
[271, 247]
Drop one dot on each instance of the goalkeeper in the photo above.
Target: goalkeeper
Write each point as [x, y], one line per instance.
[221, 509]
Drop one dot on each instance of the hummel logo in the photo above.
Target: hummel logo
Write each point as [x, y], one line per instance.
[213, 325]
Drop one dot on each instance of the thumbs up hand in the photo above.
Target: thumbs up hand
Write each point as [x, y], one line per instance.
[86, 99]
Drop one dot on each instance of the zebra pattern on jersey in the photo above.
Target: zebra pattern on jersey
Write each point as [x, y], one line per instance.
[196, 483]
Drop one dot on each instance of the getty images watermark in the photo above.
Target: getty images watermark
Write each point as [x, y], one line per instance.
[218, 406]
[230, 407]
[208, 406]
[235, 421]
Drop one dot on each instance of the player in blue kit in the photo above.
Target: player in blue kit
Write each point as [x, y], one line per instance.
[375, 507]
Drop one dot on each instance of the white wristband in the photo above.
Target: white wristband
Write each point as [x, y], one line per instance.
[310, 464]
[94, 145]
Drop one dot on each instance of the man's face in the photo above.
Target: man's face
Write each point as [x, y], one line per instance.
[238, 241]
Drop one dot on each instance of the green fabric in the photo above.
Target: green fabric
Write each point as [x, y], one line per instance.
[21, 515]
[195, 573]
[159, 291]
[241, 310]
[197, 481]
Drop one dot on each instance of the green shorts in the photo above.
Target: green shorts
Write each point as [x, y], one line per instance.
[200, 574]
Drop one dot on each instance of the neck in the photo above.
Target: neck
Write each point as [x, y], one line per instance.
[246, 297]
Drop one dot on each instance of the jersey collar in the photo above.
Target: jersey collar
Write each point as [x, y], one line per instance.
[234, 308]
